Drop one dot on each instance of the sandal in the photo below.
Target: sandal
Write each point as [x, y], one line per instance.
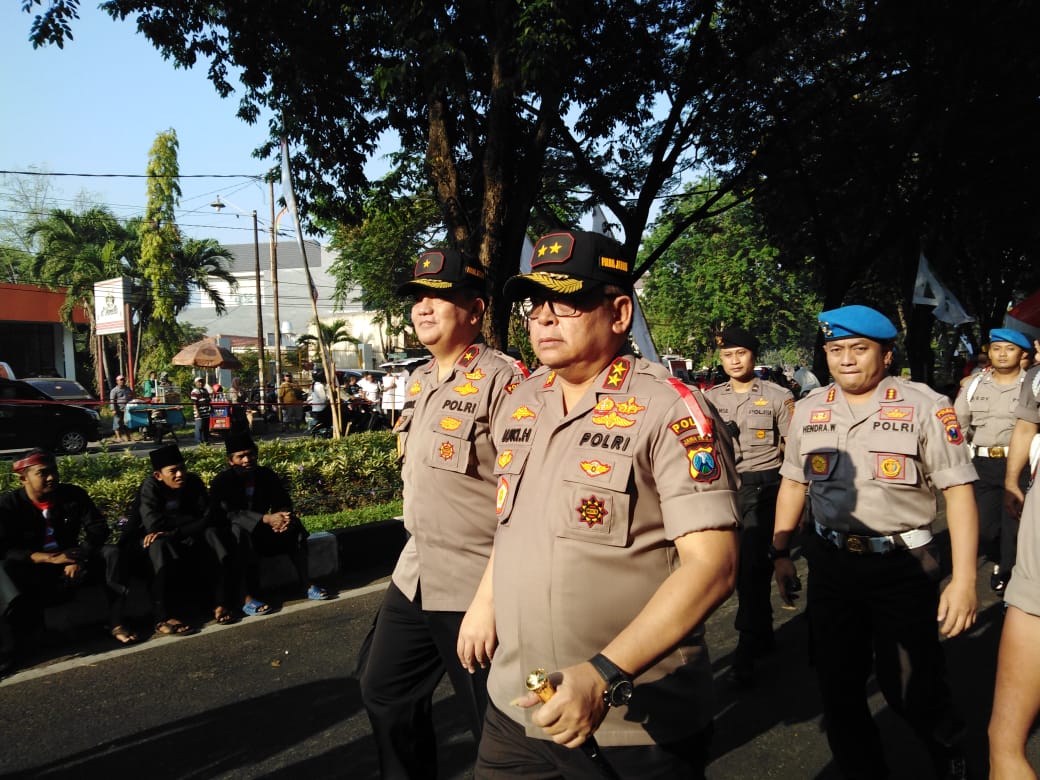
[223, 615]
[255, 607]
[123, 635]
[317, 593]
[172, 626]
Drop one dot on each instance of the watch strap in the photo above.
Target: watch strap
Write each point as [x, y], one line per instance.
[607, 669]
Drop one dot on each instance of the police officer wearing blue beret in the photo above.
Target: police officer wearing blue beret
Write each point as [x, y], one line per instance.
[986, 409]
[867, 450]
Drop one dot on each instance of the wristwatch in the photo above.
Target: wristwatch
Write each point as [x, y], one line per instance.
[775, 554]
[619, 684]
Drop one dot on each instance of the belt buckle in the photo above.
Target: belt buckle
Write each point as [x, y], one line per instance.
[996, 452]
[855, 544]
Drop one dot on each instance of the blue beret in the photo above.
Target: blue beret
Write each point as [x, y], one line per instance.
[849, 321]
[1016, 338]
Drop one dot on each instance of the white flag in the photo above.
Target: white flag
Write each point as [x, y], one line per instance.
[928, 291]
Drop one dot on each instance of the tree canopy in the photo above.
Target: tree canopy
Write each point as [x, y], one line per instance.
[723, 272]
[864, 130]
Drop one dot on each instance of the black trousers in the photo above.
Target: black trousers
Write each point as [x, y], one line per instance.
[755, 571]
[26, 588]
[878, 611]
[507, 752]
[410, 651]
[998, 531]
[264, 542]
[181, 565]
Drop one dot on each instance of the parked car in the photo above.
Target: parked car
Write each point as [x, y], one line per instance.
[30, 417]
[60, 389]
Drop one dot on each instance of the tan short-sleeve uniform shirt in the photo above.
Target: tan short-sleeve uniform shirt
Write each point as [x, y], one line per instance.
[762, 416]
[1023, 591]
[1028, 407]
[588, 506]
[986, 409]
[871, 466]
[444, 433]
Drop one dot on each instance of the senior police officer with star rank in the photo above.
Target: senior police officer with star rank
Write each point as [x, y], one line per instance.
[985, 407]
[870, 448]
[761, 412]
[611, 475]
[449, 488]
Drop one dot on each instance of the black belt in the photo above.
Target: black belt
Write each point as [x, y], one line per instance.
[767, 477]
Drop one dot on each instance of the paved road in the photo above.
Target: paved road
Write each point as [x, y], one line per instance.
[273, 697]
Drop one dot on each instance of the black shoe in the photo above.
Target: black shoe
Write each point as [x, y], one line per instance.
[742, 673]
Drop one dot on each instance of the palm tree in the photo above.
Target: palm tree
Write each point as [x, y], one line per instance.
[197, 264]
[77, 250]
[332, 333]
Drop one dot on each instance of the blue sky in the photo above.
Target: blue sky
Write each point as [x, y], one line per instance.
[96, 107]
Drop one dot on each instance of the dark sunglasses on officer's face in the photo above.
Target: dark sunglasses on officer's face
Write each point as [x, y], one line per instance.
[565, 306]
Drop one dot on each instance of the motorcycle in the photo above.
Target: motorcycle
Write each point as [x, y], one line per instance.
[357, 415]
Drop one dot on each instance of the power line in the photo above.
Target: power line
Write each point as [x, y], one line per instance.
[137, 175]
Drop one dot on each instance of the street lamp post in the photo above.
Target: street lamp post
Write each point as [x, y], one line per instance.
[218, 205]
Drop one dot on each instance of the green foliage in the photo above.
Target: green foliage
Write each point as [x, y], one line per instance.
[352, 517]
[724, 272]
[158, 229]
[323, 476]
[379, 252]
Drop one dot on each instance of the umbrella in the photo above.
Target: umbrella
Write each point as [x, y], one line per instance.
[206, 354]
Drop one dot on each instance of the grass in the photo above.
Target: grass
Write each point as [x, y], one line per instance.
[351, 517]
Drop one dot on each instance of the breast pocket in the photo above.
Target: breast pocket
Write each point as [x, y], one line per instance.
[819, 456]
[450, 444]
[760, 431]
[894, 460]
[597, 510]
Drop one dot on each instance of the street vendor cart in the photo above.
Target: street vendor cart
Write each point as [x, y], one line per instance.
[154, 420]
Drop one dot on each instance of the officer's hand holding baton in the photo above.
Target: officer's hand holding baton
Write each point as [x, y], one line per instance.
[554, 720]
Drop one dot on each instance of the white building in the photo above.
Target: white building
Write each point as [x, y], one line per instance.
[295, 310]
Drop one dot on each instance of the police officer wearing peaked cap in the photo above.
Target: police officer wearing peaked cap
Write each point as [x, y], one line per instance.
[449, 495]
[761, 412]
[867, 450]
[609, 477]
[985, 407]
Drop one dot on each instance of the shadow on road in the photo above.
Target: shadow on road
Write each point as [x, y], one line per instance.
[225, 741]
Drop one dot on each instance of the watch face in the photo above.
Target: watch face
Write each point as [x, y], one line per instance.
[620, 692]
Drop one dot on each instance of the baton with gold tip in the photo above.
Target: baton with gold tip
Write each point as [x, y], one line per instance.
[538, 683]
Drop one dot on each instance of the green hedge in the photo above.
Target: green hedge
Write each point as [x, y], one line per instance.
[324, 476]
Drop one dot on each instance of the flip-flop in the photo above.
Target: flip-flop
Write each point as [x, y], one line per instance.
[223, 616]
[317, 593]
[255, 607]
[172, 626]
[123, 635]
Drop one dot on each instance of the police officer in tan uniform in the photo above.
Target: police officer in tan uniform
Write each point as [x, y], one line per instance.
[985, 407]
[870, 448]
[1027, 426]
[449, 489]
[761, 412]
[611, 474]
[1016, 697]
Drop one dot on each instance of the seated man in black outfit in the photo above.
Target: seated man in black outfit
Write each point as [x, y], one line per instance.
[252, 500]
[170, 522]
[42, 555]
